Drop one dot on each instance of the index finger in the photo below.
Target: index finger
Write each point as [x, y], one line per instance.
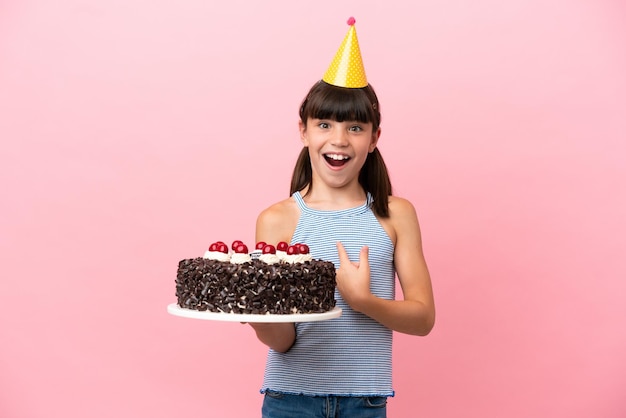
[343, 255]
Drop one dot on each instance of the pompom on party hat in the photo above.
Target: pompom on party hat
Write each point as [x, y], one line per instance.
[347, 69]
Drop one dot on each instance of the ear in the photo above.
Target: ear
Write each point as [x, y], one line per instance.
[374, 142]
[303, 136]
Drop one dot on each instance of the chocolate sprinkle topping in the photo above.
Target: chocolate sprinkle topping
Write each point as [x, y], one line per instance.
[256, 287]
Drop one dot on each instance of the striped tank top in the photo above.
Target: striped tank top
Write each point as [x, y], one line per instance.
[349, 355]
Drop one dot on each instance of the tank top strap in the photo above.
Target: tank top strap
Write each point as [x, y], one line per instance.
[299, 200]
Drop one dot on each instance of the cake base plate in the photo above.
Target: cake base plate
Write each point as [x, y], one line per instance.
[176, 310]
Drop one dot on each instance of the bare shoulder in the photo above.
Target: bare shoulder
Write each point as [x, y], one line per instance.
[400, 207]
[278, 221]
[277, 212]
[403, 220]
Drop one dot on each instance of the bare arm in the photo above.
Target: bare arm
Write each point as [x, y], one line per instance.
[415, 314]
[279, 337]
[276, 224]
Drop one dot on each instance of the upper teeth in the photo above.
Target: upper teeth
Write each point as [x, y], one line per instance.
[337, 156]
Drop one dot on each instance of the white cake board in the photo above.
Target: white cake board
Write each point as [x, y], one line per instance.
[176, 310]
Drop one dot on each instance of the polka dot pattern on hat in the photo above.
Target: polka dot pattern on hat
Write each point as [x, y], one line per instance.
[347, 69]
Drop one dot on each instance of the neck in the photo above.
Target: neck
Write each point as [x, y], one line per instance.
[327, 198]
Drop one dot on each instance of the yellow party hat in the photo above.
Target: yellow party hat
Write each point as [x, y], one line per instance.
[347, 70]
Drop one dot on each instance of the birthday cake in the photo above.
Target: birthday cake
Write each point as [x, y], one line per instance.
[281, 279]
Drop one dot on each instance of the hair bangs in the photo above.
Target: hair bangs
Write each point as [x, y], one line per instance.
[341, 104]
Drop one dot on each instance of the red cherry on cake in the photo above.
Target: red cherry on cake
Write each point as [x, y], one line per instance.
[269, 249]
[260, 245]
[241, 249]
[235, 244]
[213, 247]
[222, 248]
[303, 248]
[293, 250]
[282, 246]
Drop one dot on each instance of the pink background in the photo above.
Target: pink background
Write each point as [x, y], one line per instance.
[134, 133]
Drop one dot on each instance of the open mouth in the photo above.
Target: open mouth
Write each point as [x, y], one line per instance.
[336, 160]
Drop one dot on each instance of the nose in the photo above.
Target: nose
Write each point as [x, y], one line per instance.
[339, 138]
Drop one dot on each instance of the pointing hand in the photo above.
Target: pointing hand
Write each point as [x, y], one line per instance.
[353, 279]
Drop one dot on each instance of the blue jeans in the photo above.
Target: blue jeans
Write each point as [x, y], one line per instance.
[280, 405]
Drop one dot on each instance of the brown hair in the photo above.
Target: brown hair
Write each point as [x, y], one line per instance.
[325, 101]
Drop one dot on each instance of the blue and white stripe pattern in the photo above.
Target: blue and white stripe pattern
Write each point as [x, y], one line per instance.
[349, 355]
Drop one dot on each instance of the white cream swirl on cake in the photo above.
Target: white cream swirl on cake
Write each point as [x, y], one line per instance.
[298, 253]
[240, 253]
[269, 258]
[240, 258]
[217, 251]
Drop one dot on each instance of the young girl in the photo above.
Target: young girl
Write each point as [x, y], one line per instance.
[342, 206]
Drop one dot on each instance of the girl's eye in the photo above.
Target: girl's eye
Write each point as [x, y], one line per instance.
[356, 128]
[323, 125]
